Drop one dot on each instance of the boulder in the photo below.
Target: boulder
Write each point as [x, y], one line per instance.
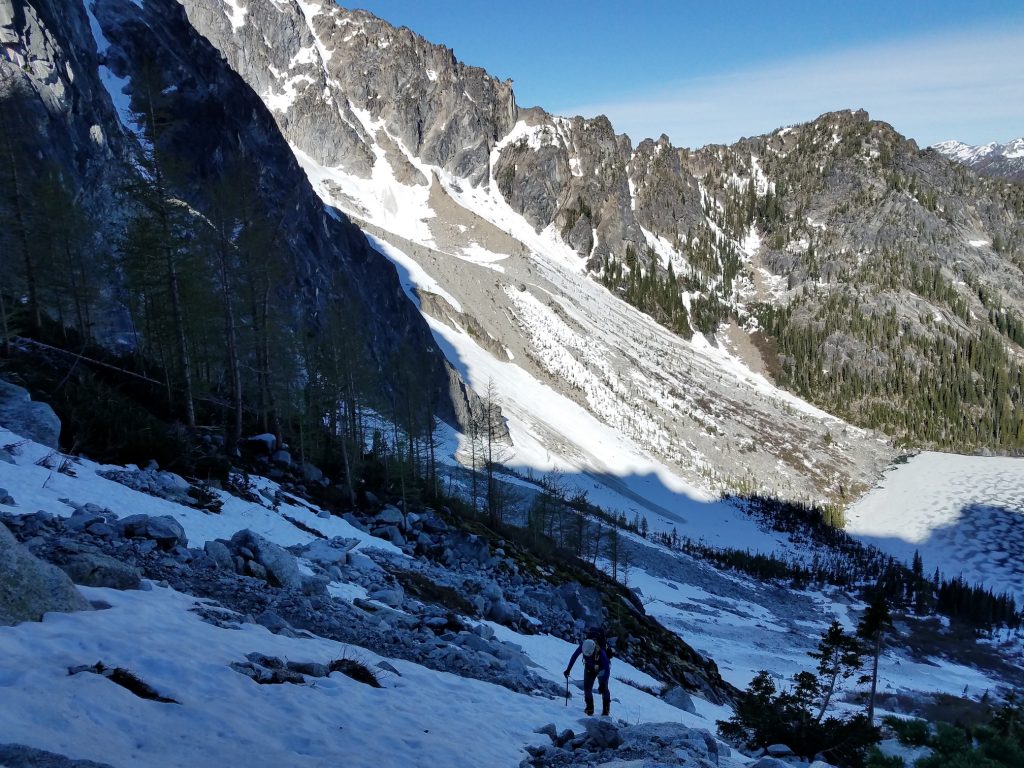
[390, 597]
[164, 530]
[680, 699]
[779, 750]
[312, 473]
[29, 587]
[281, 567]
[391, 516]
[329, 551]
[93, 569]
[219, 553]
[36, 421]
[770, 762]
[603, 733]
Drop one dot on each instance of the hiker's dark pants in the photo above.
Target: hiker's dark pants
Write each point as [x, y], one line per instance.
[590, 674]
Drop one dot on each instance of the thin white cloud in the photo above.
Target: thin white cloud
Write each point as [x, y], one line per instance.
[967, 86]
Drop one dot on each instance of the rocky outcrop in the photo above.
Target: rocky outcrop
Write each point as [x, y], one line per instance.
[615, 742]
[333, 76]
[30, 587]
[20, 756]
[33, 420]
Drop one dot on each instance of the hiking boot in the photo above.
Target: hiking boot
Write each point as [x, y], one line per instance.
[605, 712]
[589, 710]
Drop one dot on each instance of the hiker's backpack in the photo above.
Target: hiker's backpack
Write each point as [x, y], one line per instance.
[597, 634]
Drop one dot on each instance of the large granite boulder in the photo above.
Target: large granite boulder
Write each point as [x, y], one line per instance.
[21, 415]
[29, 587]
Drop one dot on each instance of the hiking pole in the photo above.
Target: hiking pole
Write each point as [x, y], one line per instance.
[567, 690]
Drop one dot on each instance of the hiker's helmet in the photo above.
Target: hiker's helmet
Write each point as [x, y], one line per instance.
[589, 647]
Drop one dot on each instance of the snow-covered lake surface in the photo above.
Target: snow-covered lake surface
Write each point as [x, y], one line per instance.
[964, 514]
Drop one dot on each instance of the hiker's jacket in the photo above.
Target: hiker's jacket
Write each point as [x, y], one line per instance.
[597, 661]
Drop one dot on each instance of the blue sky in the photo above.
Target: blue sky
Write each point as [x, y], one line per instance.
[714, 71]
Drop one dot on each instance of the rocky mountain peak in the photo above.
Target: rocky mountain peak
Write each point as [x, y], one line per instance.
[1005, 161]
[335, 79]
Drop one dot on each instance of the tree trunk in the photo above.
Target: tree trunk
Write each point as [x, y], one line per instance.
[21, 228]
[874, 679]
[234, 436]
[178, 315]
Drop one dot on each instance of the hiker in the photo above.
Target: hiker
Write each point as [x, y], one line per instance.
[596, 666]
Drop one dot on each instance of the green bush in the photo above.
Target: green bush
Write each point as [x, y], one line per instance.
[911, 733]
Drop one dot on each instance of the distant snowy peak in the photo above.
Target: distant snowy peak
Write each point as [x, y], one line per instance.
[992, 159]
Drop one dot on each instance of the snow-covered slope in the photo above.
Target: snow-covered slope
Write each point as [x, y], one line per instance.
[419, 717]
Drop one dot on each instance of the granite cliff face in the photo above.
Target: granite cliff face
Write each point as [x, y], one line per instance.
[69, 70]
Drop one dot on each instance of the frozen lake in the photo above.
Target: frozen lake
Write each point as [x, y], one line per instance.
[965, 514]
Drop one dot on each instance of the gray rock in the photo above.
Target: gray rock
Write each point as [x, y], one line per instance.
[6, 498]
[312, 474]
[98, 570]
[82, 519]
[565, 737]
[219, 553]
[391, 516]
[282, 458]
[329, 551]
[20, 756]
[770, 762]
[680, 699]
[282, 569]
[270, 662]
[393, 597]
[779, 750]
[433, 524]
[602, 732]
[362, 561]
[102, 530]
[354, 521]
[502, 612]
[272, 621]
[29, 587]
[548, 730]
[21, 415]
[256, 570]
[166, 532]
[390, 533]
[309, 668]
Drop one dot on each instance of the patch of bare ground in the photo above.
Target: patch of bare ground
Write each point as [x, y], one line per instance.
[739, 342]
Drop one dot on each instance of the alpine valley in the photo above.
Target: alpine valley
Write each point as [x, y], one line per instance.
[340, 394]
